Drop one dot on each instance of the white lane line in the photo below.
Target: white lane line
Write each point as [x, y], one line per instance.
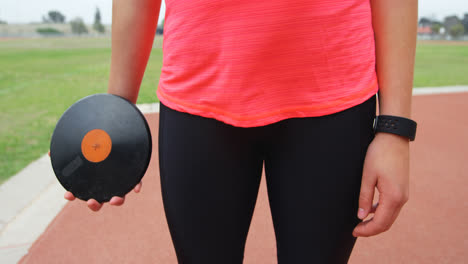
[148, 108]
[18, 235]
[21, 190]
[440, 90]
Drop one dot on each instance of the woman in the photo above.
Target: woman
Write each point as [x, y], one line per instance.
[288, 84]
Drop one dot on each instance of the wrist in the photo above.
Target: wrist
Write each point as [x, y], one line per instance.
[129, 94]
[392, 137]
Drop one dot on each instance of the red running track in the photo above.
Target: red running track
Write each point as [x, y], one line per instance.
[431, 228]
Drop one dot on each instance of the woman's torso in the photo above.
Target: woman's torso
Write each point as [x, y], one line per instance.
[251, 63]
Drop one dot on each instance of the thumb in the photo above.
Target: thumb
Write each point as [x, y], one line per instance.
[366, 197]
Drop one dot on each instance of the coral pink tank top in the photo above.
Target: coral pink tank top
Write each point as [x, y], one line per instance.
[255, 62]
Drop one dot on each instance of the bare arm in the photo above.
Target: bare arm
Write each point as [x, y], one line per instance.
[134, 25]
[133, 28]
[395, 27]
[386, 165]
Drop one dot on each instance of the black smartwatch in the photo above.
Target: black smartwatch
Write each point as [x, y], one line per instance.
[396, 125]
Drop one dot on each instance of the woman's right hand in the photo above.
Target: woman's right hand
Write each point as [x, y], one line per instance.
[96, 206]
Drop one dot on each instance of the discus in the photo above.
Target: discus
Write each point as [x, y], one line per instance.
[101, 147]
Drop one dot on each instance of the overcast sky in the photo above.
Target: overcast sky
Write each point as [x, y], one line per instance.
[25, 11]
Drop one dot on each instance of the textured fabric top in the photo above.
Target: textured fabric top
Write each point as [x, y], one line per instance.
[255, 62]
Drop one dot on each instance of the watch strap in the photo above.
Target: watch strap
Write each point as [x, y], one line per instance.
[396, 125]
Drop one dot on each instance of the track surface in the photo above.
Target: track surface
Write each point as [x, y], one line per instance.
[431, 228]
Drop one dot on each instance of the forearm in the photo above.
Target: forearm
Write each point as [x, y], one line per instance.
[395, 29]
[133, 28]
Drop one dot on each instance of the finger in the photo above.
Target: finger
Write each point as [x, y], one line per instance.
[385, 214]
[137, 188]
[94, 205]
[117, 200]
[48, 153]
[69, 196]
[366, 196]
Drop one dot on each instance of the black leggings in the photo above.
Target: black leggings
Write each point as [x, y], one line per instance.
[210, 175]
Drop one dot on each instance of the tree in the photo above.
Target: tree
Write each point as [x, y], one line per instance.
[457, 30]
[465, 22]
[3, 22]
[436, 27]
[78, 26]
[98, 26]
[54, 17]
[425, 22]
[451, 21]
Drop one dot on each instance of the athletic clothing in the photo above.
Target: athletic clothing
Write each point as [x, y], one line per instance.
[210, 175]
[252, 63]
[286, 84]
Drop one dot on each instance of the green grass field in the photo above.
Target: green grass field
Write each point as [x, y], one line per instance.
[439, 64]
[41, 78]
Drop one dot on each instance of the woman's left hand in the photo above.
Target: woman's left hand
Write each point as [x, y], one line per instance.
[386, 167]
